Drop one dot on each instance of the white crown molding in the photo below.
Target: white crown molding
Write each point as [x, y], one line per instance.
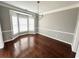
[8, 6]
[44, 13]
[16, 8]
[60, 9]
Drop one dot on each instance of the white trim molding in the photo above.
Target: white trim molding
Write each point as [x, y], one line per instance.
[11, 39]
[44, 13]
[57, 31]
[7, 31]
[17, 36]
[76, 36]
[56, 38]
[16, 8]
[60, 9]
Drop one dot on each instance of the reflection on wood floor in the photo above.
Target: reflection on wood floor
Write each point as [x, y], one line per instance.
[38, 46]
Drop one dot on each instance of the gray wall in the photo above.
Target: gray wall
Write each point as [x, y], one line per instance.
[59, 25]
[5, 21]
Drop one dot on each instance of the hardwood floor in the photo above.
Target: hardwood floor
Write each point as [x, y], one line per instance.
[38, 46]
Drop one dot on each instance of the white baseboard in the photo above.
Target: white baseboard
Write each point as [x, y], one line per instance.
[56, 38]
[16, 37]
[11, 39]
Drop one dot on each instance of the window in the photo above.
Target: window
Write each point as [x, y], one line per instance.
[31, 23]
[14, 23]
[22, 23]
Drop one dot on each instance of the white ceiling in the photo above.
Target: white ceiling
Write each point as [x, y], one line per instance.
[44, 6]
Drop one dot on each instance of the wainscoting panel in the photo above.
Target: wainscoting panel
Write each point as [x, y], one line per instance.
[58, 35]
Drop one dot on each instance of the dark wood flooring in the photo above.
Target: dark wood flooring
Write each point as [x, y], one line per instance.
[36, 46]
